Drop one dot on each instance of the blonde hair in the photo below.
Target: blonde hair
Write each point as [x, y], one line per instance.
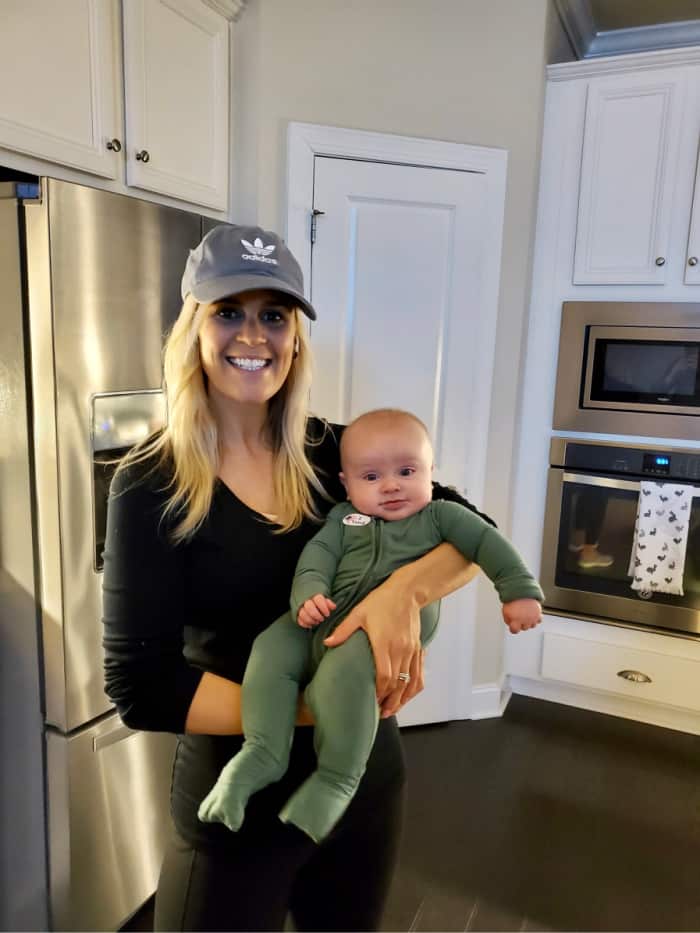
[189, 444]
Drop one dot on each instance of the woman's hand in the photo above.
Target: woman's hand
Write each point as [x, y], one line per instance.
[390, 616]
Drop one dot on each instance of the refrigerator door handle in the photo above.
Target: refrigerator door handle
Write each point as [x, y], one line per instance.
[116, 734]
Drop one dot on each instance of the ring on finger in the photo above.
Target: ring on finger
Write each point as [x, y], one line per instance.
[406, 678]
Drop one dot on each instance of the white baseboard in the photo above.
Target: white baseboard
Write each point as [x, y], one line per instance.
[489, 700]
[668, 717]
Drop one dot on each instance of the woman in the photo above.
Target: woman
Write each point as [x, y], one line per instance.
[205, 525]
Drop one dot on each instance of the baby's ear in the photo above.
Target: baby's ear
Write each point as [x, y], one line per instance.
[341, 476]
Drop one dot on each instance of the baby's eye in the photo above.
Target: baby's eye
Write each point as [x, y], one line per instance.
[406, 471]
[371, 477]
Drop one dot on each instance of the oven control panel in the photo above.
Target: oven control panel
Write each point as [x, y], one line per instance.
[681, 465]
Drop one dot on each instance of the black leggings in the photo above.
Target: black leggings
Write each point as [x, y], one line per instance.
[270, 868]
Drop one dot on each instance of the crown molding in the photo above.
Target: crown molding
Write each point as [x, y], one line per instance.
[577, 19]
[612, 64]
[589, 42]
[645, 38]
[231, 9]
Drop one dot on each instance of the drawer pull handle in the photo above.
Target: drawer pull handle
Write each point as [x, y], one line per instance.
[635, 676]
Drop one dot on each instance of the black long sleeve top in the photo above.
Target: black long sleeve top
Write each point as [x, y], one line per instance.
[172, 612]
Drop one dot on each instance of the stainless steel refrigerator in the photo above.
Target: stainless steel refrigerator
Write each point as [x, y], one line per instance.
[89, 284]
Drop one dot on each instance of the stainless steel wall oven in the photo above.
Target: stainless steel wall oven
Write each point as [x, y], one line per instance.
[629, 368]
[592, 498]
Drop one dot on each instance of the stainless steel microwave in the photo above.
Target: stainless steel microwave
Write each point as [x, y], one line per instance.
[629, 368]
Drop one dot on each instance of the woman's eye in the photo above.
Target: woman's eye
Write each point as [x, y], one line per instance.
[273, 316]
[229, 314]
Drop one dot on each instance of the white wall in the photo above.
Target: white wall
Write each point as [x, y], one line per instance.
[467, 71]
[559, 48]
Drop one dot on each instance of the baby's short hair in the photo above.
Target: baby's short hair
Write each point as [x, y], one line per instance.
[391, 415]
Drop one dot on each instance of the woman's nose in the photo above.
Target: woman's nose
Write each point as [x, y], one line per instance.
[251, 334]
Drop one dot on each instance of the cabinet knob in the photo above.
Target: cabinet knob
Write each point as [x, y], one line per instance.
[635, 676]
[660, 261]
[693, 261]
[114, 145]
[143, 156]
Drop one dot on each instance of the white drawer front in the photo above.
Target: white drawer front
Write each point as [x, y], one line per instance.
[672, 680]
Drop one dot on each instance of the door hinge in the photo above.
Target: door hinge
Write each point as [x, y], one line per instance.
[314, 216]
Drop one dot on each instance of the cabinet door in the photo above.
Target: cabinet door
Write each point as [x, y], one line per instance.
[692, 258]
[58, 82]
[176, 84]
[630, 151]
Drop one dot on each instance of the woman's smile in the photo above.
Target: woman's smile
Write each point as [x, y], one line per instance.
[249, 364]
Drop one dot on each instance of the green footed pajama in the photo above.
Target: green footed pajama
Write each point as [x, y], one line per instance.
[342, 698]
[343, 701]
[345, 560]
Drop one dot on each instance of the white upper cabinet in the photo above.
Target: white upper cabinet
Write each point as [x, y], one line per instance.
[149, 112]
[692, 258]
[176, 74]
[628, 176]
[59, 95]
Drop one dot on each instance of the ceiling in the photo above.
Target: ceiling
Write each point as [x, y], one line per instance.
[614, 27]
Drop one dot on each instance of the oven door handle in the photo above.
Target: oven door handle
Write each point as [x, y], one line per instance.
[605, 482]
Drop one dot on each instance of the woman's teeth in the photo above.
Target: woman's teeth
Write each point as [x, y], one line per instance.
[250, 365]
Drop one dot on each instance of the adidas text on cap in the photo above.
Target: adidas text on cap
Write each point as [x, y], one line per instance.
[232, 259]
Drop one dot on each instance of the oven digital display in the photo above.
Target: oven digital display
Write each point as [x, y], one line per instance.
[660, 464]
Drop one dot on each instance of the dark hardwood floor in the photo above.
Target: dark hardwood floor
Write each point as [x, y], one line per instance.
[551, 818]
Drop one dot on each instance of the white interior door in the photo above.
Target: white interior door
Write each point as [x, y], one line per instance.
[396, 279]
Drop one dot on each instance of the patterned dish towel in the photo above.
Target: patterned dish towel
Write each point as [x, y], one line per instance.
[660, 537]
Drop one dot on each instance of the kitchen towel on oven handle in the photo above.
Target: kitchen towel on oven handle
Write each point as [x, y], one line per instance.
[660, 537]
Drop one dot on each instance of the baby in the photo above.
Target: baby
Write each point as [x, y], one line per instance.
[389, 520]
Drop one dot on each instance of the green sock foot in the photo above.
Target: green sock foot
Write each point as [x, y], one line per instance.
[222, 806]
[249, 771]
[318, 804]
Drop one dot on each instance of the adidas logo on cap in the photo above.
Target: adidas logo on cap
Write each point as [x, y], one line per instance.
[257, 252]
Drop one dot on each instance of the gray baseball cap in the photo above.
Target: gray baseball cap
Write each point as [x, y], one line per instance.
[232, 259]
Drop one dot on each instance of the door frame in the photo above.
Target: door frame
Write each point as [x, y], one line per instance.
[305, 141]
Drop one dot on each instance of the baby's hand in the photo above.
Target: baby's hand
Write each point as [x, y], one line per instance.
[315, 610]
[522, 614]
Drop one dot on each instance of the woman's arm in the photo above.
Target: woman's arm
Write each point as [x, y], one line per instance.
[146, 674]
[390, 615]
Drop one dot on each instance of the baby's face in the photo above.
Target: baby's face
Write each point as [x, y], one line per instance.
[387, 468]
